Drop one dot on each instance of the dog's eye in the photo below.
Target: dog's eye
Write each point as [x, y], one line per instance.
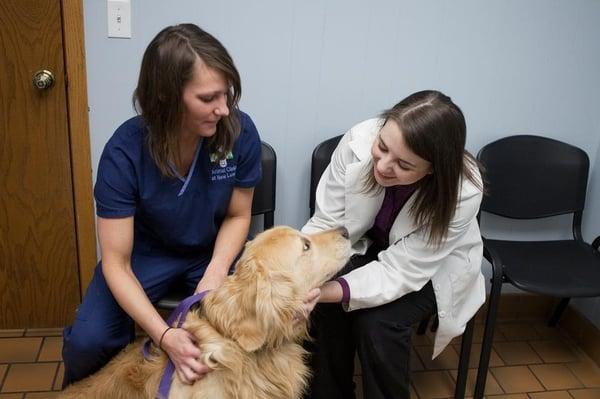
[306, 245]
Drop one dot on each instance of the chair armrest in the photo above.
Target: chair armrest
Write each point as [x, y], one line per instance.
[596, 243]
[494, 259]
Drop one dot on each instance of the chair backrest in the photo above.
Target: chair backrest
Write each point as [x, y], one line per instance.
[321, 157]
[530, 177]
[263, 202]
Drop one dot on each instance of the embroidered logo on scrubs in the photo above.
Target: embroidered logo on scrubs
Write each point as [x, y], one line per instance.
[225, 170]
[214, 157]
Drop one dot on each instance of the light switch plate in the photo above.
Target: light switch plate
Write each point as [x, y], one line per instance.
[119, 18]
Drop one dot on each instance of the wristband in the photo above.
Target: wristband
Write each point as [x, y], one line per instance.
[345, 289]
[162, 336]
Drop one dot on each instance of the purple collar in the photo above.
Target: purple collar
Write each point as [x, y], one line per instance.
[180, 313]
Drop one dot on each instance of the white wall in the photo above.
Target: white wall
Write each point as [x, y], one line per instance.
[311, 69]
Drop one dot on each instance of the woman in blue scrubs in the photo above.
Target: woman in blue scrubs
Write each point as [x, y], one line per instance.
[173, 199]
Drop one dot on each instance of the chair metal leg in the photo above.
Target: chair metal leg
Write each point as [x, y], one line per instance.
[463, 364]
[488, 335]
[558, 311]
[423, 325]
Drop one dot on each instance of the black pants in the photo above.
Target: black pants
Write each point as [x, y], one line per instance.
[380, 335]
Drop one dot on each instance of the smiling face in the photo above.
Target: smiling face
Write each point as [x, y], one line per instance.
[393, 162]
[204, 101]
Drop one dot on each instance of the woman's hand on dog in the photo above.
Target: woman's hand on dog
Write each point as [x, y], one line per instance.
[311, 300]
[185, 355]
[213, 278]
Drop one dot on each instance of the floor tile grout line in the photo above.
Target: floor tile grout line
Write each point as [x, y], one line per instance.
[4, 376]
[414, 389]
[27, 392]
[497, 353]
[538, 353]
[518, 364]
[538, 379]
[576, 376]
[23, 393]
[55, 377]
[34, 362]
[39, 352]
[39, 349]
[417, 395]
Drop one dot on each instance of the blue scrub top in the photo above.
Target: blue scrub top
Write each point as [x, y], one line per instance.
[176, 216]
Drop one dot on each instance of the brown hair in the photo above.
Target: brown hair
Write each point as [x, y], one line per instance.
[434, 128]
[167, 66]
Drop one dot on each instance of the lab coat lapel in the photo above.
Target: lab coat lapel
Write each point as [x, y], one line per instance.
[361, 208]
[404, 223]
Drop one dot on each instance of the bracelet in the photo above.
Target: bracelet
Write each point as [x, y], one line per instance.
[162, 336]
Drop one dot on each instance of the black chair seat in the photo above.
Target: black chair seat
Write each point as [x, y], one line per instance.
[539, 266]
[176, 294]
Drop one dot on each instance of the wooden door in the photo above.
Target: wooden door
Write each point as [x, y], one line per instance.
[39, 275]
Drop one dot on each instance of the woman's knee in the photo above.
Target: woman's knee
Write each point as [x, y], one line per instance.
[77, 341]
[83, 339]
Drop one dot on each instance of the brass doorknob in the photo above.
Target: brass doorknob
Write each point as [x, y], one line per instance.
[43, 79]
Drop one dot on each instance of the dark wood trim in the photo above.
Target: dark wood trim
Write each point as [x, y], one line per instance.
[77, 106]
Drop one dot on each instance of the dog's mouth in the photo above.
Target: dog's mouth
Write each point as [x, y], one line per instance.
[325, 279]
[333, 272]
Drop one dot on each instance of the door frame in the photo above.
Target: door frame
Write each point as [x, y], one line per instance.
[79, 138]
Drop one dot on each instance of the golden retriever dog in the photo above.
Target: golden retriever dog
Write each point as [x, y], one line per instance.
[248, 329]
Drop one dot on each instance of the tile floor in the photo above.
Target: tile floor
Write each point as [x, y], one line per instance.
[528, 360]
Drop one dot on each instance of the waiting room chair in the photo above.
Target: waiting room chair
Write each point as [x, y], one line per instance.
[532, 177]
[321, 157]
[263, 203]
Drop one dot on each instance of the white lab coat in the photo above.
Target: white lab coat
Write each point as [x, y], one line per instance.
[409, 263]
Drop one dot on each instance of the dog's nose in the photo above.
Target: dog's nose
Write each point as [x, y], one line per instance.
[344, 232]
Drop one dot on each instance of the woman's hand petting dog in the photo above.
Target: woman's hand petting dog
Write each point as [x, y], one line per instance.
[212, 279]
[185, 355]
[310, 301]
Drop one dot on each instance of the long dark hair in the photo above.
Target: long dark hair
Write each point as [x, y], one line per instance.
[167, 66]
[434, 128]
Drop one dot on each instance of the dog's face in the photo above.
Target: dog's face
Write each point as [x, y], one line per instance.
[260, 303]
[310, 259]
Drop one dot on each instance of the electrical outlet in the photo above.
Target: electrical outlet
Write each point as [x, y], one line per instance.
[119, 18]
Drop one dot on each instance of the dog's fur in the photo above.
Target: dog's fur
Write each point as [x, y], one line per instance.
[247, 329]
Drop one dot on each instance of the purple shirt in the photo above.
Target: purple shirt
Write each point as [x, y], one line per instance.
[393, 201]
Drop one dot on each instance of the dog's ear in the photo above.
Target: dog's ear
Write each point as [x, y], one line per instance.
[270, 307]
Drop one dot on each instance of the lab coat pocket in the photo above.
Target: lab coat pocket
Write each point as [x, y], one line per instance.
[461, 281]
[459, 285]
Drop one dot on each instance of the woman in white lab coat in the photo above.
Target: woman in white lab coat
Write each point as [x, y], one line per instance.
[408, 192]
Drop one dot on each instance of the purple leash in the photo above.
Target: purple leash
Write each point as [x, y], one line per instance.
[180, 313]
